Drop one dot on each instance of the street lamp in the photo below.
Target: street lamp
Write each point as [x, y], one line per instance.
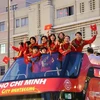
[8, 31]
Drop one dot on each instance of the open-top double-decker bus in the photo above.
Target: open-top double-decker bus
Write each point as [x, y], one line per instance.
[48, 78]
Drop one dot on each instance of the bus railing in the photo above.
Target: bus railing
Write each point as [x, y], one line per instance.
[21, 75]
[57, 70]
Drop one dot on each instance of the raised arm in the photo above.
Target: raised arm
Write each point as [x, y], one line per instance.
[92, 39]
[15, 48]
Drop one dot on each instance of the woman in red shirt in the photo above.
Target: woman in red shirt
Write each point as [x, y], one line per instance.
[44, 43]
[26, 47]
[33, 43]
[52, 44]
[66, 47]
[19, 49]
[79, 43]
[61, 36]
[35, 53]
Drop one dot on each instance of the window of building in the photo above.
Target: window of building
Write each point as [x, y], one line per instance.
[17, 23]
[71, 34]
[7, 9]
[2, 26]
[82, 8]
[2, 70]
[13, 7]
[68, 11]
[82, 30]
[92, 4]
[24, 21]
[92, 33]
[2, 48]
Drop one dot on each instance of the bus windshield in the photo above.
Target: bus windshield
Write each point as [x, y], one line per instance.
[45, 66]
[45, 96]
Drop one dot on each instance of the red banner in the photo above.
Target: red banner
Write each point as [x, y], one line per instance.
[37, 86]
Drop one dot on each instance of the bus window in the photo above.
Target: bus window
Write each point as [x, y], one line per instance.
[17, 71]
[42, 96]
[46, 66]
[46, 96]
[71, 64]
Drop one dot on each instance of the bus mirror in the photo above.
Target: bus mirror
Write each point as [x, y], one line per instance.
[96, 72]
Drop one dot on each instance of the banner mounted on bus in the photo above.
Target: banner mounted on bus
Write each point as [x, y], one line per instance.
[36, 86]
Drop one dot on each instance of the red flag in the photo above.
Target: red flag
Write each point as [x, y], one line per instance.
[6, 59]
[26, 59]
[48, 27]
[93, 27]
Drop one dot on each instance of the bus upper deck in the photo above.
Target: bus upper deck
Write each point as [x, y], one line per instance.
[45, 66]
[48, 74]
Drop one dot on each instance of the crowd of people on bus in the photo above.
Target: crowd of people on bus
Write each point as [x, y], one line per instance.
[50, 44]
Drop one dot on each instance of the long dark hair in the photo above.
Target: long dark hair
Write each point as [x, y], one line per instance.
[28, 42]
[50, 38]
[59, 39]
[21, 44]
[62, 34]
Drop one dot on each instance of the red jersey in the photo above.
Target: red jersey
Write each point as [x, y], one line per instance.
[34, 55]
[35, 66]
[26, 49]
[16, 48]
[31, 46]
[43, 45]
[79, 44]
[53, 47]
[19, 50]
[66, 48]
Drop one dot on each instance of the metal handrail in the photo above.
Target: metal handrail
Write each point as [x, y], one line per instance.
[57, 70]
[21, 75]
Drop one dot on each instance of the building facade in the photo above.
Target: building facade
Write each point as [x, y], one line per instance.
[65, 16]
[15, 6]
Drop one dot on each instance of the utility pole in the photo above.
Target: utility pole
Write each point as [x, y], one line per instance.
[9, 32]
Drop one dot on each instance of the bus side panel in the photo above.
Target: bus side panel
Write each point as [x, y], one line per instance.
[93, 90]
